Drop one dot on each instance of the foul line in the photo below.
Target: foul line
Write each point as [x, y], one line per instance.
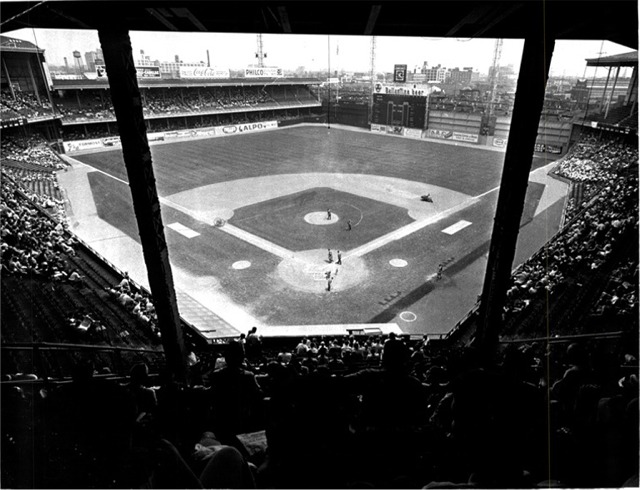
[257, 241]
[407, 230]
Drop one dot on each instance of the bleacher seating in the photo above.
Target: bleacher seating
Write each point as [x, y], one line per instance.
[605, 220]
[23, 104]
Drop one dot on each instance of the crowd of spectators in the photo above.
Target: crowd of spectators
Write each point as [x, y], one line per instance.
[95, 131]
[32, 150]
[32, 243]
[620, 296]
[413, 416]
[138, 302]
[41, 187]
[155, 104]
[455, 103]
[182, 101]
[89, 105]
[24, 104]
[587, 239]
[597, 163]
[89, 131]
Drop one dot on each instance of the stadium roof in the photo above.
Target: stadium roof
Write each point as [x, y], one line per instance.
[62, 84]
[10, 44]
[613, 20]
[623, 59]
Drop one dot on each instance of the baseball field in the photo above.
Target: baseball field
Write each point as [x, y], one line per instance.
[250, 213]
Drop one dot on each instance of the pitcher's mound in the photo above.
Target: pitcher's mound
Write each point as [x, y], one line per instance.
[320, 218]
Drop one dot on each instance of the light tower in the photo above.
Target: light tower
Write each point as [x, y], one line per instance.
[493, 79]
[372, 74]
[259, 54]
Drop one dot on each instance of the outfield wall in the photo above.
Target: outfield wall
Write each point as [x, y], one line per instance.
[229, 129]
[553, 136]
[457, 126]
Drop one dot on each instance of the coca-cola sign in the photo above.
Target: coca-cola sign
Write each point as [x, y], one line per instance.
[201, 72]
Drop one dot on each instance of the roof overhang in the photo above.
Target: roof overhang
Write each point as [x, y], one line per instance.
[623, 59]
[613, 20]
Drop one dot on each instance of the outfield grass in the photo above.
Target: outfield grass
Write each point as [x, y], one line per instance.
[183, 165]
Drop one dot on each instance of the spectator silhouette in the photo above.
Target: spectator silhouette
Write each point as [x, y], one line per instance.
[392, 412]
[90, 441]
[236, 398]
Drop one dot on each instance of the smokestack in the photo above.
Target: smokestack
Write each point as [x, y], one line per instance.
[66, 63]
[208, 60]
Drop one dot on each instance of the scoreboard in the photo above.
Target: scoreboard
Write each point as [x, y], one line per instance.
[399, 110]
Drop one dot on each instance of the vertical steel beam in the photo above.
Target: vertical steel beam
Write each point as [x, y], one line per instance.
[125, 95]
[532, 80]
[613, 89]
[604, 90]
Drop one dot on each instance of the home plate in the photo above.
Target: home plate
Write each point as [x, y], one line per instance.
[455, 228]
[183, 230]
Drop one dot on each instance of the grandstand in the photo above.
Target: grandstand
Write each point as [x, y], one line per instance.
[176, 104]
[122, 369]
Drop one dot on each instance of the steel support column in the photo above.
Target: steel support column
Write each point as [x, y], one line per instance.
[604, 90]
[613, 89]
[532, 80]
[125, 95]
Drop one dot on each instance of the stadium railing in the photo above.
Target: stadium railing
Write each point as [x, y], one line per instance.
[116, 354]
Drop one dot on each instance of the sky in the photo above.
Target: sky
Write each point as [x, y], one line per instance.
[322, 52]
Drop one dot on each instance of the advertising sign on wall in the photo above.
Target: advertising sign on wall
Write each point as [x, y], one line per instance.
[440, 133]
[378, 128]
[415, 89]
[155, 136]
[413, 133]
[111, 141]
[70, 146]
[268, 72]
[245, 128]
[469, 138]
[203, 72]
[500, 142]
[148, 71]
[394, 130]
[141, 71]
